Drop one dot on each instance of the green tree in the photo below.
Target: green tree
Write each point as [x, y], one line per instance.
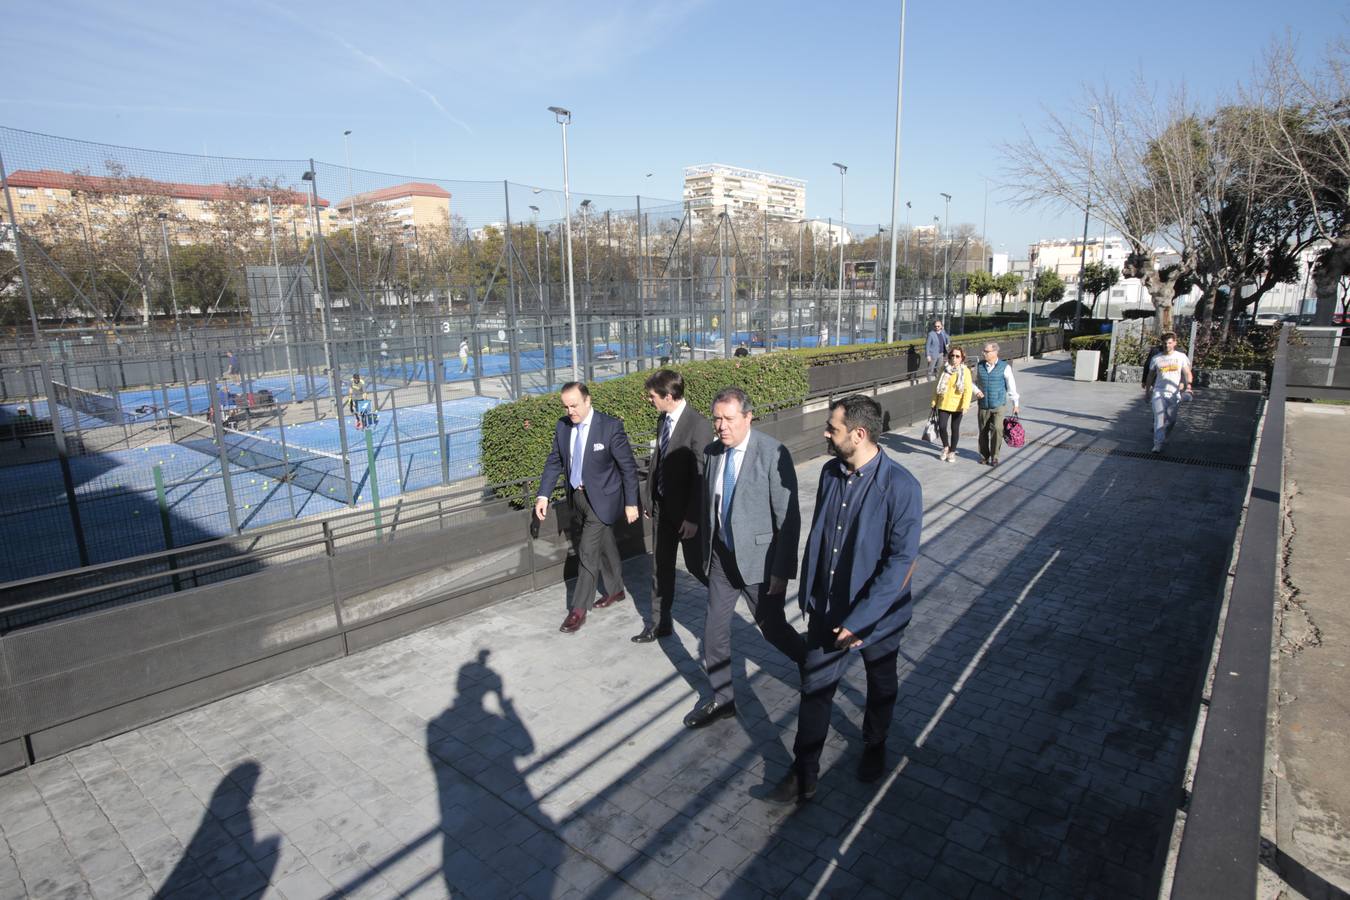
[981, 284]
[1097, 279]
[1049, 289]
[1005, 284]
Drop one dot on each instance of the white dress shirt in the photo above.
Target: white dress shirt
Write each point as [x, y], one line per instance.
[721, 462]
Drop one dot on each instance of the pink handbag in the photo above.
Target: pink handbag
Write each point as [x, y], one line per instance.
[1013, 434]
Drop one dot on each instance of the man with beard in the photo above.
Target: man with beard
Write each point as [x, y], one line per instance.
[855, 588]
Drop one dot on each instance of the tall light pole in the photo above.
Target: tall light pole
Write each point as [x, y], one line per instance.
[168, 262]
[564, 118]
[895, 174]
[931, 292]
[538, 266]
[1087, 207]
[909, 210]
[839, 302]
[281, 296]
[946, 254]
[586, 241]
[356, 242]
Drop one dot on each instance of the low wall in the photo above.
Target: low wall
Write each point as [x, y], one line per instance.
[1214, 379]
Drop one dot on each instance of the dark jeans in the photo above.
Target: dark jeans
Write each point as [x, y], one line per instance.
[949, 421]
[665, 544]
[821, 671]
[725, 587]
[597, 553]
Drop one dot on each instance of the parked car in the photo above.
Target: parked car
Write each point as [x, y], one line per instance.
[1269, 318]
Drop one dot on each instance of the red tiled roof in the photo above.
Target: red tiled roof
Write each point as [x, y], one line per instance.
[98, 184]
[407, 189]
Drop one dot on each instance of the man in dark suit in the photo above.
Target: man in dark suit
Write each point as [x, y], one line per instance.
[749, 539]
[855, 588]
[592, 451]
[674, 494]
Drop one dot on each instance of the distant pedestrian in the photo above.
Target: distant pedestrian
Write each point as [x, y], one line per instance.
[951, 399]
[463, 355]
[231, 365]
[995, 387]
[1170, 379]
[25, 426]
[935, 347]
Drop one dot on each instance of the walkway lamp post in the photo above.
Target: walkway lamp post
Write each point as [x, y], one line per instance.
[946, 262]
[168, 262]
[839, 302]
[564, 118]
[895, 178]
[356, 241]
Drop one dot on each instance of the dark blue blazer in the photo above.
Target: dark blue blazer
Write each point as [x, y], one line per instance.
[608, 469]
[880, 553]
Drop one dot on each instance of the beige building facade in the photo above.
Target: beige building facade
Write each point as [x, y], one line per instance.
[415, 204]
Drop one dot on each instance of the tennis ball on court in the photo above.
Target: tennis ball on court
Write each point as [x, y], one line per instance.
[135, 512]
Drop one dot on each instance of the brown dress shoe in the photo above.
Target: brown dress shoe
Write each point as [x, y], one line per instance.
[575, 619]
[609, 600]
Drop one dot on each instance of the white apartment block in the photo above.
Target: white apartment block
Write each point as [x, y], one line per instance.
[712, 189]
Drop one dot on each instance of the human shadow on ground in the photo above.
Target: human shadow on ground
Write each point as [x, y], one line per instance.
[223, 843]
[474, 752]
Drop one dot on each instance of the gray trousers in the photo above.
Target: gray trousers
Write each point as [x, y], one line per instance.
[1165, 408]
[725, 587]
[991, 432]
[597, 554]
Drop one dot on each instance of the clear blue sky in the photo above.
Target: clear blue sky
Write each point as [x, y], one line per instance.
[452, 89]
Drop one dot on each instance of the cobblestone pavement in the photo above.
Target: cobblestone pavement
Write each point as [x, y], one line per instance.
[1047, 687]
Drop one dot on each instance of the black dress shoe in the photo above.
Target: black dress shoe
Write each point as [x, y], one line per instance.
[651, 633]
[791, 789]
[708, 712]
[873, 763]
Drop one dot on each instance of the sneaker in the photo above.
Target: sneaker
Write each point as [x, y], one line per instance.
[1157, 448]
[952, 456]
[943, 457]
[873, 763]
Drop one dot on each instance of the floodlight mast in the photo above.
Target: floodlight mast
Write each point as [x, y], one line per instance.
[564, 118]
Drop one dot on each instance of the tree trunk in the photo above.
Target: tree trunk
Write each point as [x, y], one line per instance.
[1332, 265]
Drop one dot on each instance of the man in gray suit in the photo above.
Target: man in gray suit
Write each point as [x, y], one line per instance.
[749, 534]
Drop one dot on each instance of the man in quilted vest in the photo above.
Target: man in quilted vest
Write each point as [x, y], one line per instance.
[996, 388]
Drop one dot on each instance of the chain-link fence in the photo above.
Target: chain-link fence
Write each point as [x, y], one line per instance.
[199, 345]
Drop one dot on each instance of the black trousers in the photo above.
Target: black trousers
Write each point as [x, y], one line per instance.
[597, 554]
[666, 543]
[725, 587]
[949, 422]
[821, 672]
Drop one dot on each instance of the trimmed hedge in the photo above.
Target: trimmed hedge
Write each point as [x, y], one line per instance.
[516, 436]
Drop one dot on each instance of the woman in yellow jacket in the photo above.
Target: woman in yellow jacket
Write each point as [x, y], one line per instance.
[951, 398]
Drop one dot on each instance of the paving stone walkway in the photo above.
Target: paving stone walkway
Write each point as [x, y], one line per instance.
[1047, 687]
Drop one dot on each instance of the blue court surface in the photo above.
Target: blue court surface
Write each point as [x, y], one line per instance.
[116, 496]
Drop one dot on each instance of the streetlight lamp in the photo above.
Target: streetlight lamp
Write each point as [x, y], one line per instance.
[168, 261]
[564, 118]
[1087, 206]
[946, 250]
[586, 241]
[356, 241]
[538, 266]
[839, 301]
[895, 176]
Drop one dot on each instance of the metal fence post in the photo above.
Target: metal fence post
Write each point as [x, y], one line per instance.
[217, 415]
[373, 478]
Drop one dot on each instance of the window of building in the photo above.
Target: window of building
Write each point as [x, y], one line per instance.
[28, 207]
[25, 192]
[49, 192]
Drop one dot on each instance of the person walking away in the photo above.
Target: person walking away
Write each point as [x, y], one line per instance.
[935, 347]
[995, 388]
[955, 387]
[857, 569]
[463, 355]
[674, 495]
[592, 451]
[748, 531]
[1168, 380]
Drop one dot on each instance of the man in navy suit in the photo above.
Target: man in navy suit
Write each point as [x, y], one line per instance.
[592, 451]
[855, 588]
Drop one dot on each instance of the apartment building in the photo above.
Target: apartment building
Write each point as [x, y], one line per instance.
[418, 204]
[712, 189]
[40, 195]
